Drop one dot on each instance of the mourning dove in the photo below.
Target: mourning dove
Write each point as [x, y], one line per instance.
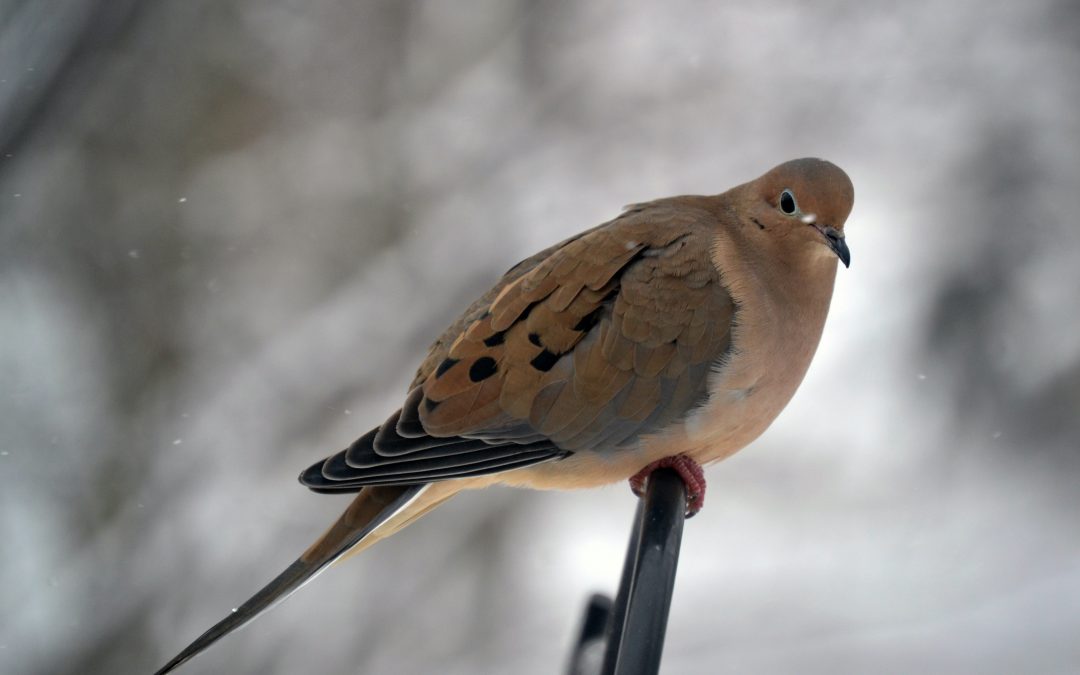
[672, 335]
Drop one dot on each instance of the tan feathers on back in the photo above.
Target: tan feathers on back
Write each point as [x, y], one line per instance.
[603, 336]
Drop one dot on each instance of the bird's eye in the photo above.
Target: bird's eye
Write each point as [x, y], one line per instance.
[787, 202]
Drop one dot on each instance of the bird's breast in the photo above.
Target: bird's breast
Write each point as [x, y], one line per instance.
[769, 356]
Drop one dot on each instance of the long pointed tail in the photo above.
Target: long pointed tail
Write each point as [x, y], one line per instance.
[372, 508]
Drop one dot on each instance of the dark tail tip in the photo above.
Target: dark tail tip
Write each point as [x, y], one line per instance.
[283, 585]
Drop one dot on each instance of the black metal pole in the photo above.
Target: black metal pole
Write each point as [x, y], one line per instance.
[637, 619]
[637, 635]
[617, 617]
[661, 526]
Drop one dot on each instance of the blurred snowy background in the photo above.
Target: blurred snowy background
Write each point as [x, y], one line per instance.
[229, 229]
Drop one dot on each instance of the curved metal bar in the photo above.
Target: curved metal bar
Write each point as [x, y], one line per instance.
[660, 535]
[638, 618]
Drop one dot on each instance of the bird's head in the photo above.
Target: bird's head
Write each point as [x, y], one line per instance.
[800, 207]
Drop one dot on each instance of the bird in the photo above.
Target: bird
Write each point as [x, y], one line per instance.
[670, 336]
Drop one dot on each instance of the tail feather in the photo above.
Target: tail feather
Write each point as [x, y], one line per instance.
[372, 508]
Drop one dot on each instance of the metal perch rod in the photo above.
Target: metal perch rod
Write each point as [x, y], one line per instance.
[632, 628]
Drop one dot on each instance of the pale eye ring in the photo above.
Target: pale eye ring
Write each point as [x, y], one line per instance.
[787, 203]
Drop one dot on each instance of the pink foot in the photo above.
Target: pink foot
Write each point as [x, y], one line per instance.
[690, 472]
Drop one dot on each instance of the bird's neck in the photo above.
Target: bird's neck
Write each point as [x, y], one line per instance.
[761, 287]
[807, 294]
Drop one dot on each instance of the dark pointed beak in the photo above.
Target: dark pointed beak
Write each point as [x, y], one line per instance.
[835, 240]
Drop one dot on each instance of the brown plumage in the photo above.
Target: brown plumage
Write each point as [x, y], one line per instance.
[680, 328]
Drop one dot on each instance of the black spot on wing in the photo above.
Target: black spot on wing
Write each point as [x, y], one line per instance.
[446, 365]
[528, 310]
[483, 368]
[586, 323]
[545, 360]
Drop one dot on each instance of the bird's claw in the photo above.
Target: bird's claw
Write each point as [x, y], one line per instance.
[689, 470]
